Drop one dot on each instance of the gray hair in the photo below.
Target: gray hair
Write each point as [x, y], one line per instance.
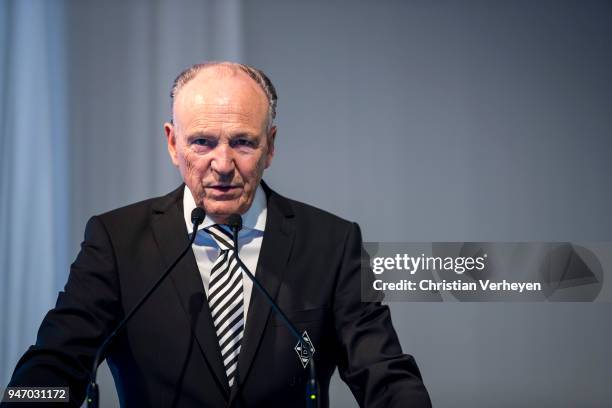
[257, 75]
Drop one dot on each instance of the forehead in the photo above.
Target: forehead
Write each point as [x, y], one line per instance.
[220, 94]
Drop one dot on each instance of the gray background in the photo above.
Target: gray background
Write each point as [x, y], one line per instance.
[420, 120]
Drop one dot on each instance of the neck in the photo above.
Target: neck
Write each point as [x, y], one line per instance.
[219, 219]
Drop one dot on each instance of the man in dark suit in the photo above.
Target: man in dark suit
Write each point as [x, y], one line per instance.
[207, 337]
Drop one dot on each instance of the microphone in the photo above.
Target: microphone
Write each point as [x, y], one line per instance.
[235, 223]
[93, 392]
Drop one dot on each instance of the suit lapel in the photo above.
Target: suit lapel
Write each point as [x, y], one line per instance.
[171, 236]
[273, 258]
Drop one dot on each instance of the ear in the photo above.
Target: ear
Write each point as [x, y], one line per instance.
[171, 139]
[270, 154]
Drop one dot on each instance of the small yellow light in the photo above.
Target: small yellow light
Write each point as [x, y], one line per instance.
[312, 396]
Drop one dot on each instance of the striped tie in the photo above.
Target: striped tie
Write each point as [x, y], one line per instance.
[225, 299]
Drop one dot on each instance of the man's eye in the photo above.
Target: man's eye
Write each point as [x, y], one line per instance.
[242, 143]
[203, 142]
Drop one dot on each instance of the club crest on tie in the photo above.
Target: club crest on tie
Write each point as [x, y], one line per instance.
[302, 353]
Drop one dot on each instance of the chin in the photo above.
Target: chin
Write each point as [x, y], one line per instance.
[216, 210]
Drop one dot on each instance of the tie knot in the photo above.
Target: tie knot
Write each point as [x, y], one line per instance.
[222, 237]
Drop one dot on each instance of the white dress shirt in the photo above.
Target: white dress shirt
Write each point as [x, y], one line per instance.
[250, 237]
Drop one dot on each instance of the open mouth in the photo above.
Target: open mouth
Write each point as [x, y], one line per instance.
[223, 189]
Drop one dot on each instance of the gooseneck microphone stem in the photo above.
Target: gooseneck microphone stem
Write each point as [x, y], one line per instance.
[312, 392]
[93, 395]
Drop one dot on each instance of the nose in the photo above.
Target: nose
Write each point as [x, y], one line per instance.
[222, 162]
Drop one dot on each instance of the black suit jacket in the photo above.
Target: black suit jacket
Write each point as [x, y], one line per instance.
[169, 354]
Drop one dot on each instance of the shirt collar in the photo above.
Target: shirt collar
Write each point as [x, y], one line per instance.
[253, 219]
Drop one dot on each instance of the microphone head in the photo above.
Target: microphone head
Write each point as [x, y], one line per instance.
[197, 216]
[235, 222]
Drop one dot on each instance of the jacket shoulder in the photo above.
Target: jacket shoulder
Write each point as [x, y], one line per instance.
[313, 221]
[140, 212]
[311, 212]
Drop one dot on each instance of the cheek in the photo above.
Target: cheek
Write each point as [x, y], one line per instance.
[194, 164]
[253, 168]
[262, 164]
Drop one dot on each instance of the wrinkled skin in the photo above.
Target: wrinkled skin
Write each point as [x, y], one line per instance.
[220, 140]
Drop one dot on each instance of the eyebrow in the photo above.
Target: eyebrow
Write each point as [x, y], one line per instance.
[203, 134]
[243, 134]
[200, 134]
